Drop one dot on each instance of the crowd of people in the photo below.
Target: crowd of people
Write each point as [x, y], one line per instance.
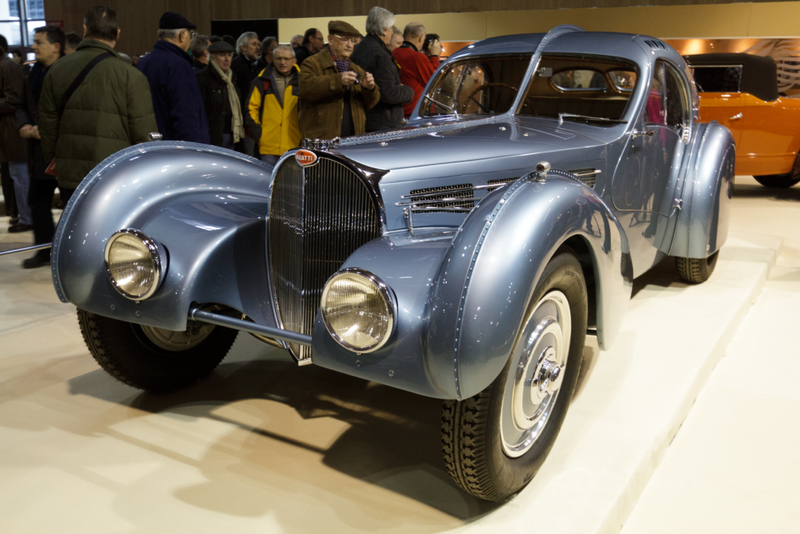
[82, 100]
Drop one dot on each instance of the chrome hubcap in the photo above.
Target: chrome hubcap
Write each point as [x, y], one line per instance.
[173, 341]
[532, 387]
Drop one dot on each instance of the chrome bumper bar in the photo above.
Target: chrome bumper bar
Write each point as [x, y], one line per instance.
[25, 249]
[246, 326]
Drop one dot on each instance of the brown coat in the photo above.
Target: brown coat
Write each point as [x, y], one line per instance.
[321, 105]
[12, 85]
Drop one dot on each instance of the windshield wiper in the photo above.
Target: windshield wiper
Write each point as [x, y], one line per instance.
[443, 106]
[587, 117]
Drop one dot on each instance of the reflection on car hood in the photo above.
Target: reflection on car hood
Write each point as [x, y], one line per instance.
[457, 143]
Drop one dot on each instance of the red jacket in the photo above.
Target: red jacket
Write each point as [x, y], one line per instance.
[415, 71]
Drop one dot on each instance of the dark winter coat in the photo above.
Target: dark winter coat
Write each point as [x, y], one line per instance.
[373, 56]
[244, 71]
[179, 108]
[214, 92]
[12, 89]
[28, 113]
[111, 110]
[321, 102]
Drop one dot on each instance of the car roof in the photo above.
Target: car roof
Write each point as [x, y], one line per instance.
[601, 43]
[759, 73]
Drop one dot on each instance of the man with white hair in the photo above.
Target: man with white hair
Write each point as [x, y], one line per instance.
[415, 67]
[372, 54]
[245, 70]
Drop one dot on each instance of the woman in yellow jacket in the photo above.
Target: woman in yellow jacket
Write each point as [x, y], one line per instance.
[272, 118]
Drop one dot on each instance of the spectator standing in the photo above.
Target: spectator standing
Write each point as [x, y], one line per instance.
[179, 109]
[416, 68]
[221, 97]
[268, 45]
[296, 41]
[13, 149]
[199, 49]
[248, 48]
[109, 111]
[48, 46]
[372, 54]
[397, 40]
[272, 117]
[335, 92]
[72, 42]
[312, 44]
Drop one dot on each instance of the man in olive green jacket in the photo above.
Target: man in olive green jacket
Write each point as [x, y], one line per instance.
[110, 110]
[335, 92]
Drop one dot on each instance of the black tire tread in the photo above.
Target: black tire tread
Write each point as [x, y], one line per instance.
[121, 352]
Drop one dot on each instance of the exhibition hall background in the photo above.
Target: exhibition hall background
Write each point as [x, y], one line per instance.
[455, 20]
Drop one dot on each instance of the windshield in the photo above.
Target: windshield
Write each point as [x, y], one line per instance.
[476, 86]
[580, 88]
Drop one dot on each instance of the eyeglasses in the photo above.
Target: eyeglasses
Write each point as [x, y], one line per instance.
[282, 58]
[351, 40]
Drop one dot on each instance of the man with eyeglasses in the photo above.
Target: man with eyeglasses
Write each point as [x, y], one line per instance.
[312, 44]
[335, 93]
[179, 108]
[272, 106]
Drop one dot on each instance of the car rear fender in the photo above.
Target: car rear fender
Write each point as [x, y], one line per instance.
[488, 274]
[701, 223]
[213, 235]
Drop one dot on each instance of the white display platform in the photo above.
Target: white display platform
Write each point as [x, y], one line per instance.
[265, 446]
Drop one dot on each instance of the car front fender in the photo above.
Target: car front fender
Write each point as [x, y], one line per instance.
[205, 205]
[493, 264]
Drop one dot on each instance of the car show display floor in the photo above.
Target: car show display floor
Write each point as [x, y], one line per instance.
[688, 424]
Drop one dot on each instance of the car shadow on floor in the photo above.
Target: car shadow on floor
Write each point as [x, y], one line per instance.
[391, 438]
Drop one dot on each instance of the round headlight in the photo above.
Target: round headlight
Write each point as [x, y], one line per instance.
[133, 263]
[358, 310]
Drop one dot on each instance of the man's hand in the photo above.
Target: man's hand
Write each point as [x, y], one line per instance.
[368, 82]
[25, 131]
[349, 78]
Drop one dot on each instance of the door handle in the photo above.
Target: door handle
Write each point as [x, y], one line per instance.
[640, 133]
[737, 116]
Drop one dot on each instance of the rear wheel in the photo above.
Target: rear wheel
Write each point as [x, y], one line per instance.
[495, 442]
[778, 181]
[696, 270]
[151, 358]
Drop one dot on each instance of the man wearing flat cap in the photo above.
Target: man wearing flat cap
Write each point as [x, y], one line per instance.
[335, 92]
[179, 108]
[221, 97]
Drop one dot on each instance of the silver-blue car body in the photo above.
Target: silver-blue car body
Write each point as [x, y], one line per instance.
[431, 259]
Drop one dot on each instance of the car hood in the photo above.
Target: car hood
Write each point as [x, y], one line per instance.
[461, 142]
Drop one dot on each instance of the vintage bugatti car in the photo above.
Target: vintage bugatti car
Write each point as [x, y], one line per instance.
[740, 91]
[464, 257]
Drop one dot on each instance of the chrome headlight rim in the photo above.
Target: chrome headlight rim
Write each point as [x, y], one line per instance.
[386, 293]
[157, 254]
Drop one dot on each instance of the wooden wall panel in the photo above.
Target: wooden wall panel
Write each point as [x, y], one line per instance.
[454, 20]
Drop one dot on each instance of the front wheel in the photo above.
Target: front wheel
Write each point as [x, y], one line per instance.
[495, 442]
[151, 358]
[696, 270]
[778, 181]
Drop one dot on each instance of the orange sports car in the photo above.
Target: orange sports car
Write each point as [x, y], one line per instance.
[740, 91]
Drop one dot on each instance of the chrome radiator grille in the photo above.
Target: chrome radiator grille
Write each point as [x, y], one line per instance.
[319, 215]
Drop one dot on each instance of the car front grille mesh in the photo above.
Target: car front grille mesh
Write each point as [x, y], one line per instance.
[319, 215]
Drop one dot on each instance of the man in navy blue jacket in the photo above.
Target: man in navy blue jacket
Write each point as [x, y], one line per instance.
[180, 113]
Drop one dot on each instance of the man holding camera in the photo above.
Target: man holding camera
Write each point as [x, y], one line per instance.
[335, 92]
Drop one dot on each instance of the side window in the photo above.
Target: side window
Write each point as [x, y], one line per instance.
[656, 105]
[678, 106]
[668, 102]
